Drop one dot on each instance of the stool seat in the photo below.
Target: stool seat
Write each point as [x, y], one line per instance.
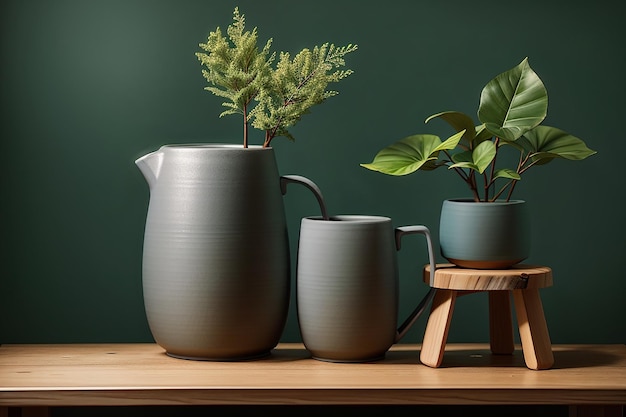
[519, 276]
[522, 281]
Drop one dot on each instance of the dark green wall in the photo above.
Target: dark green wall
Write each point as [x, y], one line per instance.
[89, 86]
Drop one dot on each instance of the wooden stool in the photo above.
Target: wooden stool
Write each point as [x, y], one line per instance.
[524, 281]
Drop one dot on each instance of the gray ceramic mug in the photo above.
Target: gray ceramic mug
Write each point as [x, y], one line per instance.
[347, 286]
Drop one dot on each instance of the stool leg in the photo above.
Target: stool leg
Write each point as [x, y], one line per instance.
[533, 329]
[437, 328]
[500, 323]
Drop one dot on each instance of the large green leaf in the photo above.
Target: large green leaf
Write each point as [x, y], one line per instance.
[513, 102]
[459, 121]
[478, 160]
[506, 173]
[482, 134]
[412, 153]
[545, 143]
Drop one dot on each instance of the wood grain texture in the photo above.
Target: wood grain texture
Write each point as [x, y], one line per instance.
[141, 374]
[500, 323]
[437, 328]
[533, 329]
[519, 276]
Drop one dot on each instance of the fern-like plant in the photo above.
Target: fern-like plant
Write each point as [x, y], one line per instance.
[512, 107]
[269, 98]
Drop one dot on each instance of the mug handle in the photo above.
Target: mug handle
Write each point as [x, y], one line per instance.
[298, 179]
[407, 230]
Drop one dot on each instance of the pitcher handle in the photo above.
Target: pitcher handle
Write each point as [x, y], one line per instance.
[405, 230]
[298, 179]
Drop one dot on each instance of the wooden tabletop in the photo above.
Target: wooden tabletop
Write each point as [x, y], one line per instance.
[141, 374]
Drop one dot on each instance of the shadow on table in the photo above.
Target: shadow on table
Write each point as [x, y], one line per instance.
[565, 356]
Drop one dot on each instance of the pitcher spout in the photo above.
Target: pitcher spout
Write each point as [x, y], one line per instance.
[150, 166]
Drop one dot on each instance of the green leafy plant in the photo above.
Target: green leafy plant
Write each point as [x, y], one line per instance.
[270, 99]
[512, 107]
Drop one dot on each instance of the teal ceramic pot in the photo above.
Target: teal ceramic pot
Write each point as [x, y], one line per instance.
[484, 235]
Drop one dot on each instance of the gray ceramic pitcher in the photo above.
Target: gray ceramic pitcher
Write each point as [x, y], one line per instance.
[347, 286]
[216, 273]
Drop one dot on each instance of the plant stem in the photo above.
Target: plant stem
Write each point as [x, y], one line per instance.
[245, 126]
[486, 186]
[504, 187]
[469, 179]
[472, 184]
[269, 136]
[513, 183]
[489, 180]
[268, 139]
[527, 167]
[287, 102]
[459, 171]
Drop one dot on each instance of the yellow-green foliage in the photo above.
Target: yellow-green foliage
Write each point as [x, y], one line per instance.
[238, 71]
